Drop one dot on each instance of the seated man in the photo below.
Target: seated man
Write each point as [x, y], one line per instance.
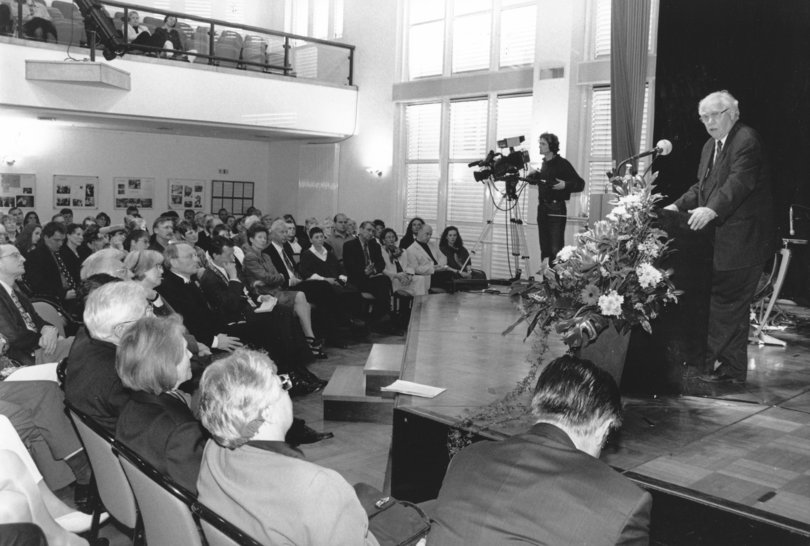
[163, 232]
[222, 284]
[91, 383]
[45, 271]
[547, 485]
[24, 336]
[365, 266]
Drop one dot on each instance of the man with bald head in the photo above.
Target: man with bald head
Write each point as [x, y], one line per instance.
[732, 199]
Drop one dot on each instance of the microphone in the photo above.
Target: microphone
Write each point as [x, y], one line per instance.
[662, 147]
[790, 221]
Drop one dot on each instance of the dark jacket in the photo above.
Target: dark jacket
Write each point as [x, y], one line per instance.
[22, 342]
[162, 430]
[355, 261]
[42, 273]
[188, 300]
[537, 488]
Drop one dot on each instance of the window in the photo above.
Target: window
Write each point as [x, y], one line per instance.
[482, 35]
[237, 197]
[316, 18]
[441, 139]
[601, 28]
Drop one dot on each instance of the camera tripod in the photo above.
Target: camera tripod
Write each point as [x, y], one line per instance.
[515, 234]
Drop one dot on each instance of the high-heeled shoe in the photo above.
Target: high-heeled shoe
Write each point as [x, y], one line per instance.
[316, 347]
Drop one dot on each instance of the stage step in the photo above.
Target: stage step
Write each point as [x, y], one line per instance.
[382, 367]
[345, 399]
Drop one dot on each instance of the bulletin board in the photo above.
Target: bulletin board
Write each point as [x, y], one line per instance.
[235, 196]
[134, 191]
[75, 192]
[186, 194]
[17, 190]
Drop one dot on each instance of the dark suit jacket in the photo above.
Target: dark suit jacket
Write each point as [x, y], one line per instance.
[162, 430]
[189, 301]
[226, 297]
[22, 342]
[355, 262]
[738, 189]
[278, 261]
[537, 488]
[42, 273]
[91, 382]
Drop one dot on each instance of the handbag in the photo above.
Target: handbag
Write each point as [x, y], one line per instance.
[393, 522]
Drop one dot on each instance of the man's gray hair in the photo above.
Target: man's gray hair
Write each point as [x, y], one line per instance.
[112, 304]
[106, 260]
[723, 97]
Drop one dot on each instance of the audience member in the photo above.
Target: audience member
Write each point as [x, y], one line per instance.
[251, 477]
[71, 251]
[89, 221]
[102, 219]
[230, 222]
[189, 215]
[91, 383]
[26, 338]
[17, 214]
[137, 239]
[339, 235]
[379, 226]
[58, 218]
[318, 293]
[132, 210]
[167, 37]
[187, 232]
[116, 233]
[424, 257]
[67, 214]
[107, 260]
[409, 236]
[263, 278]
[223, 215]
[146, 268]
[365, 266]
[157, 423]
[292, 242]
[277, 330]
[300, 234]
[136, 33]
[456, 255]
[162, 233]
[46, 272]
[397, 269]
[31, 217]
[28, 238]
[10, 225]
[37, 22]
[94, 240]
[546, 485]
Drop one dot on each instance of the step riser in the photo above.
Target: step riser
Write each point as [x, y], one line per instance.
[374, 384]
[363, 412]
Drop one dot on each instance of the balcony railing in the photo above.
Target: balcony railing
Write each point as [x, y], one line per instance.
[209, 42]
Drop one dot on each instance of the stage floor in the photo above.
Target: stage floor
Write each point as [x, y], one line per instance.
[745, 449]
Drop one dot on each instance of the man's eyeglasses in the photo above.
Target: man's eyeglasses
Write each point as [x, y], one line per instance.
[286, 382]
[713, 116]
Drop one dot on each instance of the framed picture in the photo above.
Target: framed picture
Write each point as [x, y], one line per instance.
[186, 194]
[76, 192]
[17, 190]
[133, 191]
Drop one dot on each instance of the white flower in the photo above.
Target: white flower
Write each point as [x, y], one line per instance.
[649, 248]
[610, 304]
[630, 201]
[590, 294]
[565, 253]
[618, 212]
[648, 276]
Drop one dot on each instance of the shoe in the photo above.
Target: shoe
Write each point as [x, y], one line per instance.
[316, 347]
[314, 379]
[719, 376]
[307, 435]
[82, 497]
[79, 522]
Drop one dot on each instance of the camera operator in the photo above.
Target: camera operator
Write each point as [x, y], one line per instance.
[556, 181]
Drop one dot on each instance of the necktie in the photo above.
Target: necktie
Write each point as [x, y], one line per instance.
[68, 283]
[288, 263]
[719, 148]
[366, 254]
[29, 322]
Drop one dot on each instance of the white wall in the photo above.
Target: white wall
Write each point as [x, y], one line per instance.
[47, 151]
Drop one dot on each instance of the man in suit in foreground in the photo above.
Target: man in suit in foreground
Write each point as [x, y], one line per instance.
[547, 485]
[733, 199]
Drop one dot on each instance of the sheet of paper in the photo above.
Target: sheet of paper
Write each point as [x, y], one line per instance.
[416, 389]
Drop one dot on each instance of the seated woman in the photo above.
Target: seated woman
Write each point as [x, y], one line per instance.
[263, 278]
[117, 234]
[457, 256]
[152, 360]
[137, 33]
[187, 231]
[409, 236]
[69, 251]
[167, 37]
[102, 219]
[425, 258]
[28, 238]
[31, 217]
[37, 22]
[252, 478]
[146, 268]
[319, 263]
[94, 240]
[403, 279]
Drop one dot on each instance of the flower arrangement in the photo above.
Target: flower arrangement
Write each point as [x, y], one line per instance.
[610, 276]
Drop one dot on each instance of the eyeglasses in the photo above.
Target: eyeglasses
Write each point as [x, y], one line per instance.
[286, 382]
[713, 116]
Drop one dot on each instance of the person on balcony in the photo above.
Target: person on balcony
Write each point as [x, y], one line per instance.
[37, 22]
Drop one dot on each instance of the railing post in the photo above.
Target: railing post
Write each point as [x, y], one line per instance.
[125, 25]
[351, 66]
[286, 55]
[19, 20]
[211, 44]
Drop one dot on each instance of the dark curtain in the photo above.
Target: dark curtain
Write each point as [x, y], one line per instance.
[759, 50]
[629, 30]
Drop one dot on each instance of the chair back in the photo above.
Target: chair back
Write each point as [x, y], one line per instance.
[113, 486]
[165, 506]
[51, 314]
[220, 532]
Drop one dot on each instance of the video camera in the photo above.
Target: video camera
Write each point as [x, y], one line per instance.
[497, 166]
